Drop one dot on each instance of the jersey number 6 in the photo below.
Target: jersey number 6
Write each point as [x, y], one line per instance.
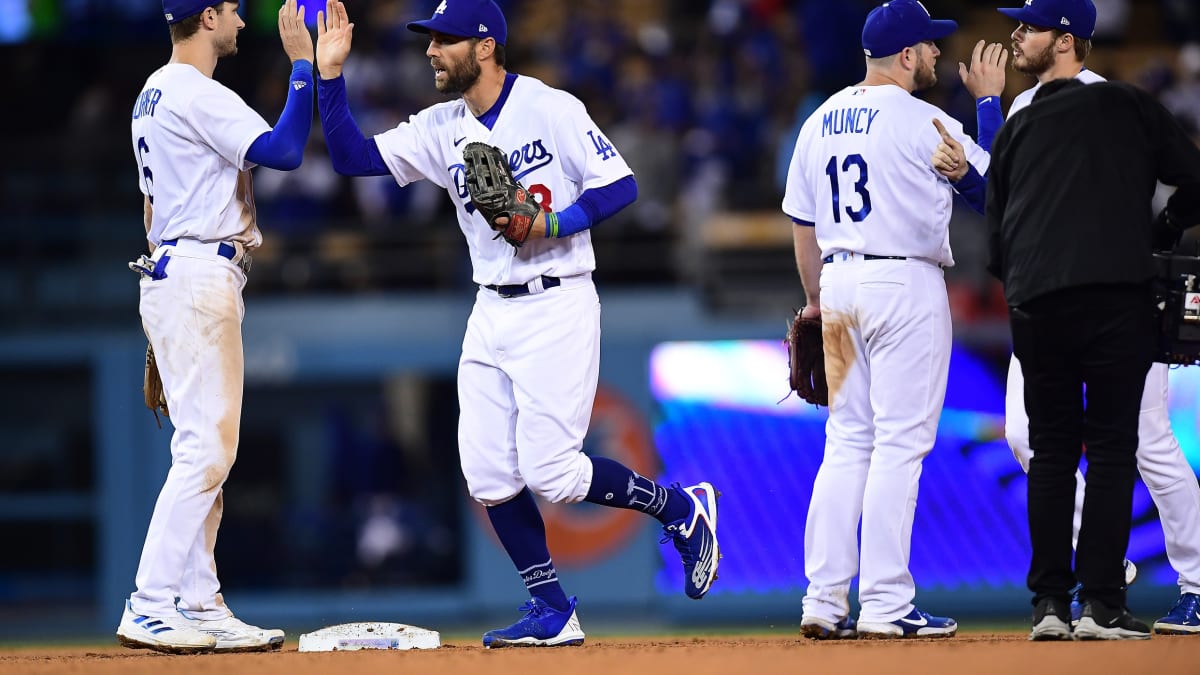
[143, 150]
[860, 186]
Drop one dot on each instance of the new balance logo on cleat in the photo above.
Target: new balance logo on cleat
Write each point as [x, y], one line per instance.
[542, 626]
[695, 537]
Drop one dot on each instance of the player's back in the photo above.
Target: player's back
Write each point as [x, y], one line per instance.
[190, 136]
[861, 174]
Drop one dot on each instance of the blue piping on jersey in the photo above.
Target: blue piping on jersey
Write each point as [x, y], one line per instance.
[488, 119]
[282, 147]
[803, 223]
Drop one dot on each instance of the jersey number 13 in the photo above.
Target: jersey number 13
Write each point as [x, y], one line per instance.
[860, 186]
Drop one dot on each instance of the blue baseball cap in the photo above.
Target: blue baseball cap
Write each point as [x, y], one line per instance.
[178, 10]
[898, 24]
[1077, 17]
[465, 18]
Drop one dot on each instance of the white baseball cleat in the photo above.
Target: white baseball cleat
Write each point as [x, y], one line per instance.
[170, 634]
[234, 635]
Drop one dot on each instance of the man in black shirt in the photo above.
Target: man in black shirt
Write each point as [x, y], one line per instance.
[1071, 237]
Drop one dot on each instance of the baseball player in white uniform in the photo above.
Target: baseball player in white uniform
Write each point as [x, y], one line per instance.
[871, 235]
[530, 358]
[194, 141]
[1051, 42]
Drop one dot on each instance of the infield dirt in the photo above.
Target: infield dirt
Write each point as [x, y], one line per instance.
[1000, 653]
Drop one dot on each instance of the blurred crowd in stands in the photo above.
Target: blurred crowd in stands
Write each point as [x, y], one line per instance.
[703, 98]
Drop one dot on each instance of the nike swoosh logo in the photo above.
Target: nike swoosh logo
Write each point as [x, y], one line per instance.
[986, 99]
[460, 141]
[915, 622]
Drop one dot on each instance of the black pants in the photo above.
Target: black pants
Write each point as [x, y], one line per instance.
[1085, 353]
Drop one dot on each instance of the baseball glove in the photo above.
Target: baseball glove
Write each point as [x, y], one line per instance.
[152, 387]
[496, 194]
[806, 360]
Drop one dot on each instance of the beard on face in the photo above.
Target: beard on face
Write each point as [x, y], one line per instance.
[227, 47]
[1035, 63]
[460, 75]
[924, 77]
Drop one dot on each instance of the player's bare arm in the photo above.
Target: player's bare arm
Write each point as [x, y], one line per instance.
[808, 261]
[334, 35]
[297, 41]
[985, 77]
[148, 219]
[949, 158]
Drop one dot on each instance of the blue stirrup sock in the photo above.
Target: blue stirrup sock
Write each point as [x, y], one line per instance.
[613, 484]
[519, 525]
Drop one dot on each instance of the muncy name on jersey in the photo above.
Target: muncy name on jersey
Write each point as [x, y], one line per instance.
[848, 121]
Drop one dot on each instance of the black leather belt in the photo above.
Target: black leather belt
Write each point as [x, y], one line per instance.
[868, 256]
[515, 290]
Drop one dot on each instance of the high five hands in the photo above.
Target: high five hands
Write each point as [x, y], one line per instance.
[949, 158]
[334, 34]
[985, 77]
[297, 41]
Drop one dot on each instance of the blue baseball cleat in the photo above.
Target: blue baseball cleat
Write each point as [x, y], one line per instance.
[695, 537]
[542, 626]
[915, 624]
[1183, 619]
[820, 629]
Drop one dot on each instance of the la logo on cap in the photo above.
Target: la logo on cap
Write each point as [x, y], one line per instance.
[441, 8]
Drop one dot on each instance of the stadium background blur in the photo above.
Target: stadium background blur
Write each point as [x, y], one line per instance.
[346, 502]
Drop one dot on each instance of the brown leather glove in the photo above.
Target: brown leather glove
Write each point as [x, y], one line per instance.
[152, 387]
[806, 360]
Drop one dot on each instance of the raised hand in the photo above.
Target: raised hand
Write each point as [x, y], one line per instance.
[986, 74]
[297, 41]
[334, 34]
[949, 158]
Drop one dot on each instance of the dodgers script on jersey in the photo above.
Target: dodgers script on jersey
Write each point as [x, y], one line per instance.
[861, 169]
[190, 137]
[556, 168]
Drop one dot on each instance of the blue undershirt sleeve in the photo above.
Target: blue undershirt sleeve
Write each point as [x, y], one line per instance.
[973, 188]
[593, 206]
[282, 147]
[351, 152]
[988, 118]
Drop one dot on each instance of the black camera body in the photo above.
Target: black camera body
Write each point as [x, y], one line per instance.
[1177, 298]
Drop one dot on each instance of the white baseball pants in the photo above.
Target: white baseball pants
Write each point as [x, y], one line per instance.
[1161, 462]
[887, 336]
[526, 383]
[193, 318]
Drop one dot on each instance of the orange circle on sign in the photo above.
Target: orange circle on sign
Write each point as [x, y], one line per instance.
[582, 534]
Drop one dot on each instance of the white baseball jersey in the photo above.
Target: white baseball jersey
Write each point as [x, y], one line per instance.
[555, 150]
[1024, 98]
[861, 172]
[190, 137]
